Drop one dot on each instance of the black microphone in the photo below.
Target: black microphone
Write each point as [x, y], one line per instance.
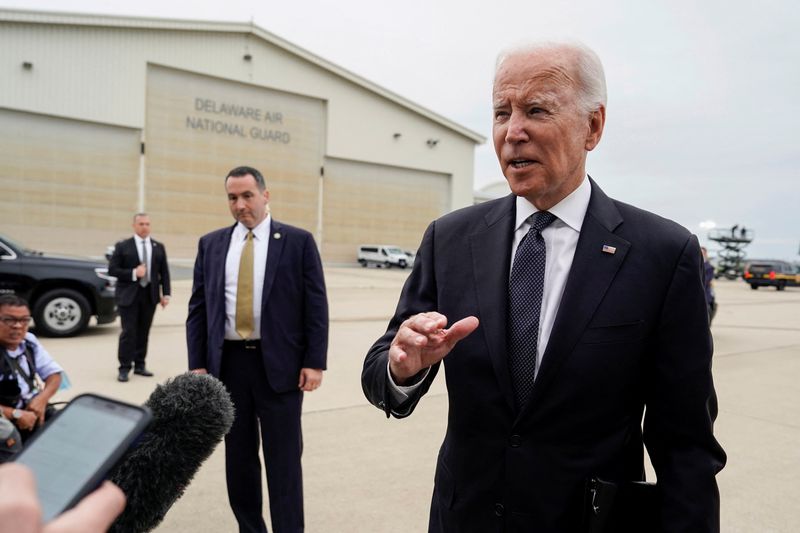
[191, 415]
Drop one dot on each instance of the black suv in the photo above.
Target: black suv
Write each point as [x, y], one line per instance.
[778, 274]
[63, 292]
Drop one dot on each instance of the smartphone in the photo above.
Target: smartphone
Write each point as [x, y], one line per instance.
[73, 453]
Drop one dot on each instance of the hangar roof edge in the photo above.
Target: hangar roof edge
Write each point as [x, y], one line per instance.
[119, 21]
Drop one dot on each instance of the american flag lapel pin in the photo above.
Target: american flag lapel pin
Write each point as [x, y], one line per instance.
[609, 249]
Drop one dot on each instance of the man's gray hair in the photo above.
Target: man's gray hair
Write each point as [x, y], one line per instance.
[589, 68]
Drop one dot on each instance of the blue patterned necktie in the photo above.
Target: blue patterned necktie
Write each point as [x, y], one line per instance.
[525, 288]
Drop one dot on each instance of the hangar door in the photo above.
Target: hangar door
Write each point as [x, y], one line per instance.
[365, 203]
[199, 127]
[68, 186]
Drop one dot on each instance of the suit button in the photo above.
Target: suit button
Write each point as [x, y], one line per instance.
[499, 509]
[515, 441]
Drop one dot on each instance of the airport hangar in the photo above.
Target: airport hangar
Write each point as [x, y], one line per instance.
[105, 116]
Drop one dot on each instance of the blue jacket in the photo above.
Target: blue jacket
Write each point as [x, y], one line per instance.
[294, 316]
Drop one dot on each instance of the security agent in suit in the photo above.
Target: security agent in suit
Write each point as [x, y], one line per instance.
[265, 335]
[140, 266]
[621, 326]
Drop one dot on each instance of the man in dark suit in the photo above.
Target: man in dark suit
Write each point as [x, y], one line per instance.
[258, 320]
[569, 314]
[140, 266]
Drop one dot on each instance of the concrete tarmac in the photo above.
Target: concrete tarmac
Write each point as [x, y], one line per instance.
[364, 473]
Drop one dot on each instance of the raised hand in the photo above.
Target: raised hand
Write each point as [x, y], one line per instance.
[422, 341]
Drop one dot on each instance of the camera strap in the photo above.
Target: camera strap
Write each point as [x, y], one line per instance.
[16, 368]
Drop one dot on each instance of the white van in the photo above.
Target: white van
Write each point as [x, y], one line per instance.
[384, 255]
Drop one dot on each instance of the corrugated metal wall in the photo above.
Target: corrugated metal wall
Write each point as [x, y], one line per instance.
[367, 203]
[66, 185]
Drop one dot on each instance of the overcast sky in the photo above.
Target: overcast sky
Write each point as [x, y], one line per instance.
[703, 95]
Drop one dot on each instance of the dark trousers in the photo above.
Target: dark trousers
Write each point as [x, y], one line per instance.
[277, 416]
[136, 320]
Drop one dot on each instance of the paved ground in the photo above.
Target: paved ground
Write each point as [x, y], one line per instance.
[366, 473]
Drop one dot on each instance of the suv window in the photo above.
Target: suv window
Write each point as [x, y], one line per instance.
[5, 251]
[761, 268]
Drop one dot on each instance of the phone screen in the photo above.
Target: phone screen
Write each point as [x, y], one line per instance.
[75, 451]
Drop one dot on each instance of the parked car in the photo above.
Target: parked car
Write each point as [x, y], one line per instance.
[766, 273]
[384, 255]
[63, 292]
[412, 256]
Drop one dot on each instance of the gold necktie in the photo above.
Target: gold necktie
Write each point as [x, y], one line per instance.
[244, 290]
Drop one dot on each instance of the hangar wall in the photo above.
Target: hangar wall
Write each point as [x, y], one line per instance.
[66, 181]
[110, 70]
[199, 127]
[366, 203]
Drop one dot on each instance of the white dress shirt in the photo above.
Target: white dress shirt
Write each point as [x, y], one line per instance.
[561, 240]
[149, 245]
[260, 247]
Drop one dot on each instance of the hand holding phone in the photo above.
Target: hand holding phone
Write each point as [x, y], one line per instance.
[74, 452]
[21, 510]
[27, 420]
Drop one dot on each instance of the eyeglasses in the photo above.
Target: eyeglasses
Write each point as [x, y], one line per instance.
[10, 321]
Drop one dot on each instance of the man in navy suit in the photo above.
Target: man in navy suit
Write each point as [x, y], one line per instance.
[140, 266]
[570, 315]
[258, 320]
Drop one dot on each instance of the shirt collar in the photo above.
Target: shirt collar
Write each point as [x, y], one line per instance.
[571, 210]
[139, 240]
[20, 349]
[16, 352]
[260, 232]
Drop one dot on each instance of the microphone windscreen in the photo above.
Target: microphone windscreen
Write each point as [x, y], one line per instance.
[191, 415]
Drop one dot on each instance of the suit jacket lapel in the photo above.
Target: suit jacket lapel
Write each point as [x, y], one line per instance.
[591, 274]
[491, 252]
[155, 257]
[218, 254]
[133, 250]
[277, 238]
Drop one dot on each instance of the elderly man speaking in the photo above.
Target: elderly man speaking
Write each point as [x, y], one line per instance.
[578, 331]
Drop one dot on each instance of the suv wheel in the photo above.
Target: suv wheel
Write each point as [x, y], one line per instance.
[754, 286]
[61, 313]
[780, 286]
[401, 264]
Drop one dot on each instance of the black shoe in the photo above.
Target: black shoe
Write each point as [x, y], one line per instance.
[123, 376]
[142, 372]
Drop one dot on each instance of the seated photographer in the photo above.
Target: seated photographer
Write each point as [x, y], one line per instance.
[28, 375]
